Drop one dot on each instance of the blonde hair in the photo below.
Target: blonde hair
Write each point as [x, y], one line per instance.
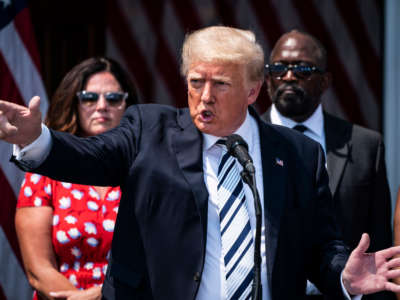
[224, 44]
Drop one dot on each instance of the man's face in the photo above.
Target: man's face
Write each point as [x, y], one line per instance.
[294, 96]
[218, 96]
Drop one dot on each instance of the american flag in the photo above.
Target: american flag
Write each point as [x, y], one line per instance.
[146, 37]
[20, 79]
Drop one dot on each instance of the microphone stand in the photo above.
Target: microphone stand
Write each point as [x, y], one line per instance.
[250, 179]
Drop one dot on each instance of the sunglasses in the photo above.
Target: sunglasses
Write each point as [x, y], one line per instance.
[89, 99]
[278, 70]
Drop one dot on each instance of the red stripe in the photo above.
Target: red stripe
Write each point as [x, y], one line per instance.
[347, 97]
[7, 213]
[371, 64]
[164, 59]
[225, 12]
[23, 25]
[130, 51]
[267, 17]
[8, 88]
[187, 15]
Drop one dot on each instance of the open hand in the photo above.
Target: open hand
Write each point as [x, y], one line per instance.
[20, 125]
[367, 273]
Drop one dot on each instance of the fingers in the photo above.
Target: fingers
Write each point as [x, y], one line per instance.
[392, 287]
[34, 105]
[393, 263]
[6, 129]
[363, 244]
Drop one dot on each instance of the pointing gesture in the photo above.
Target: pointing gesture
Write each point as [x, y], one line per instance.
[367, 273]
[19, 124]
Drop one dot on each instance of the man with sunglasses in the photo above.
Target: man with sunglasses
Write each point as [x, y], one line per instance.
[296, 79]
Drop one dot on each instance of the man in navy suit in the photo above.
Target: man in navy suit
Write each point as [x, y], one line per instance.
[355, 155]
[167, 240]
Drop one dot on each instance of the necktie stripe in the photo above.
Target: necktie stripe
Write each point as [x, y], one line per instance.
[230, 217]
[223, 162]
[245, 251]
[236, 238]
[237, 243]
[246, 285]
[225, 173]
[231, 200]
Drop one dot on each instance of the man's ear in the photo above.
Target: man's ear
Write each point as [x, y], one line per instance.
[254, 90]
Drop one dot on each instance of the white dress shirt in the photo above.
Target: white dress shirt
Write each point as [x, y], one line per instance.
[314, 124]
[213, 282]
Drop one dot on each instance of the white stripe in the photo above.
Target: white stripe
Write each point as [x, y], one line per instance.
[12, 278]
[247, 20]
[22, 68]
[350, 60]
[113, 52]
[371, 19]
[146, 40]
[12, 173]
[172, 32]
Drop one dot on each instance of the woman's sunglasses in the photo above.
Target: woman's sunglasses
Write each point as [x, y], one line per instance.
[278, 70]
[113, 99]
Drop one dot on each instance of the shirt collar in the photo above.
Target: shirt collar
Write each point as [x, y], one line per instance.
[315, 122]
[244, 131]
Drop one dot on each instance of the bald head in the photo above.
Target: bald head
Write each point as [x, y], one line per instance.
[296, 44]
[296, 92]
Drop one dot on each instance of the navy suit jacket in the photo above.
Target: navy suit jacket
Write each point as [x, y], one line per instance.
[358, 182]
[159, 242]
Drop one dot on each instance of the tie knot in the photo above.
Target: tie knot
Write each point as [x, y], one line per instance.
[221, 142]
[300, 127]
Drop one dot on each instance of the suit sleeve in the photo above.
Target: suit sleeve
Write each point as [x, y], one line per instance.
[329, 252]
[102, 160]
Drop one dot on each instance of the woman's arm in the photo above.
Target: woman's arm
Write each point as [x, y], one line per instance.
[34, 231]
[396, 231]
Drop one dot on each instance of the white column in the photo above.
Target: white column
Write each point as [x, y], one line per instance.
[391, 115]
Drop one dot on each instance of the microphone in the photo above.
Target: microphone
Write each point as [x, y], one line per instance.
[238, 148]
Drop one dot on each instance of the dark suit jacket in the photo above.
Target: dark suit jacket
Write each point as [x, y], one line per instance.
[159, 243]
[358, 182]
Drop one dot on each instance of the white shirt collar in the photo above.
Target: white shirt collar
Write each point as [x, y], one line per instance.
[314, 123]
[244, 131]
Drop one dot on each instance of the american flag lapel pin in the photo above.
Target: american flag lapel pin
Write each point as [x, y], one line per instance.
[279, 161]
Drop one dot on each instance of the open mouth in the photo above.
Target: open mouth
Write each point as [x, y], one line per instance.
[206, 115]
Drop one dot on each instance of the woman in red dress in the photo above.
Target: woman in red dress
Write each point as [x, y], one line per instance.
[65, 229]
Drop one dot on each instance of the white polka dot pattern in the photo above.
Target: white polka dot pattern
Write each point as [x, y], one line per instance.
[83, 225]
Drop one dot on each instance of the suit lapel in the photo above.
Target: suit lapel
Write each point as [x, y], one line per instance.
[338, 150]
[274, 159]
[187, 144]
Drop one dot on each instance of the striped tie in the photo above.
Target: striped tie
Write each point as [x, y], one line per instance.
[237, 242]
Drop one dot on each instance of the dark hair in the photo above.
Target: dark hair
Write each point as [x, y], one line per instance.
[63, 111]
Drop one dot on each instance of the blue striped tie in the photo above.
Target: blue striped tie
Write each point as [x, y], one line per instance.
[237, 242]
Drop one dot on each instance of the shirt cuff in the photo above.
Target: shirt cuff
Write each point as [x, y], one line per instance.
[35, 153]
[346, 294]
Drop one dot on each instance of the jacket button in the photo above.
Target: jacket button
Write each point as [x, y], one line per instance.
[196, 277]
